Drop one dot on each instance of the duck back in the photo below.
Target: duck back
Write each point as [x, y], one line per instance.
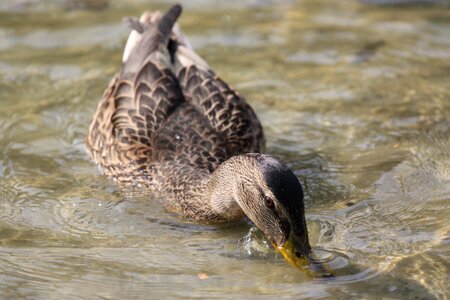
[166, 119]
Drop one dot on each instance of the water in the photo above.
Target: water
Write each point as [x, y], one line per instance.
[353, 96]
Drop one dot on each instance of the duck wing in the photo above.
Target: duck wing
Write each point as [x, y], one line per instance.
[227, 112]
[136, 104]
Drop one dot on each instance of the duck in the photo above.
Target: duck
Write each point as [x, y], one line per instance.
[168, 123]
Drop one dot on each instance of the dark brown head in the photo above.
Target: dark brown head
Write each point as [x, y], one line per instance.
[272, 197]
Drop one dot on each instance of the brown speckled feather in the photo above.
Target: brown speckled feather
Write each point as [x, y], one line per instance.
[226, 111]
[168, 125]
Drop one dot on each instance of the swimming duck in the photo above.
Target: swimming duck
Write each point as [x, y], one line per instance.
[169, 123]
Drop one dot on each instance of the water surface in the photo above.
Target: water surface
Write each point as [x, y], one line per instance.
[354, 97]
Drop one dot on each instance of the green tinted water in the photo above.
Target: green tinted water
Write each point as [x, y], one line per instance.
[354, 97]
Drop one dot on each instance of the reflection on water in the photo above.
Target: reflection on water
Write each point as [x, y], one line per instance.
[353, 96]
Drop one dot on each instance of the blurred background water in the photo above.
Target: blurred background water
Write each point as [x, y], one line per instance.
[353, 96]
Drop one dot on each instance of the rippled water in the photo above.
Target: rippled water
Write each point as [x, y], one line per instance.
[353, 96]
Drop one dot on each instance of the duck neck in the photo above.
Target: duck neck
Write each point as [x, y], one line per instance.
[222, 192]
[213, 197]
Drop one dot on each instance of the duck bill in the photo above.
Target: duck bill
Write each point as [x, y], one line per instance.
[298, 253]
[296, 250]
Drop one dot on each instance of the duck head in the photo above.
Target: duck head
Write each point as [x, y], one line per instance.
[271, 196]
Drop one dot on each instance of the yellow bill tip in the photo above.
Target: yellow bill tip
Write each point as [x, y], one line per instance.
[288, 252]
[313, 267]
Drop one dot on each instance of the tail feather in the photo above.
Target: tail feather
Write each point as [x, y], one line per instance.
[147, 35]
[153, 29]
[134, 24]
[167, 22]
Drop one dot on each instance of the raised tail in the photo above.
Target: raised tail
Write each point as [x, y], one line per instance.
[168, 21]
[149, 32]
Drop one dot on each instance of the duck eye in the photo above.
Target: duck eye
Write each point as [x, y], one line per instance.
[269, 202]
